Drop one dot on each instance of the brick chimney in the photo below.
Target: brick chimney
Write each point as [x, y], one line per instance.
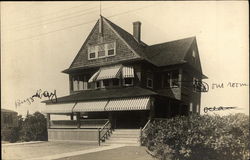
[137, 31]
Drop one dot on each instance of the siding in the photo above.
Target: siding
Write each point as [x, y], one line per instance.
[122, 50]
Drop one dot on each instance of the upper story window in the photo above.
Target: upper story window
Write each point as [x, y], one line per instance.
[191, 107]
[128, 81]
[193, 54]
[79, 82]
[170, 79]
[149, 83]
[101, 50]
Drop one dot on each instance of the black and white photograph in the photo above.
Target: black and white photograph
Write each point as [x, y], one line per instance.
[125, 80]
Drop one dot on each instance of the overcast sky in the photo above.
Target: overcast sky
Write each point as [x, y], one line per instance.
[40, 39]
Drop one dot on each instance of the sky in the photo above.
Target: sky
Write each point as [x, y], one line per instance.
[40, 39]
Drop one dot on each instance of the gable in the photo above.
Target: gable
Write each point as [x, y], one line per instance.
[123, 52]
[194, 61]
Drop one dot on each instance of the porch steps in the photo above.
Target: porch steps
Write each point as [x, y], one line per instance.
[124, 136]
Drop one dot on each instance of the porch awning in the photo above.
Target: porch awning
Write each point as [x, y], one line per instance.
[127, 104]
[91, 106]
[127, 72]
[59, 108]
[109, 72]
[93, 78]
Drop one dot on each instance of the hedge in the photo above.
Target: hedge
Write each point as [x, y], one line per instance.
[199, 137]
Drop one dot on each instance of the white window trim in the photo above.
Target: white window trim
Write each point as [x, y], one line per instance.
[197, 108]
[152, 83]
[105, 48]
[193, 54]
[190, 107]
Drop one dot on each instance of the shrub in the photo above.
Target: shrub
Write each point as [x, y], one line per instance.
[199, 137]
[34, 128]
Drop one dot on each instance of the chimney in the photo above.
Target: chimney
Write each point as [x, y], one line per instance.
[137, 31]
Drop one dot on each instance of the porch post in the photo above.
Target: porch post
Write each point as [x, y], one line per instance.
[48, 120]
[78, 120]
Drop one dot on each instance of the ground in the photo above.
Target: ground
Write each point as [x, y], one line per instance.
[27, 151]
[72, 151]
[123, 153]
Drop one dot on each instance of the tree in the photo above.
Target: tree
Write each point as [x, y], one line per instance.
[34, 128]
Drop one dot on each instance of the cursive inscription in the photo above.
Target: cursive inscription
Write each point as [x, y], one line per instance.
[39, 94]
[206, 109]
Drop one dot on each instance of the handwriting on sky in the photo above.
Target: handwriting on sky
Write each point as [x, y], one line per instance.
[229, 85]
[39, 94]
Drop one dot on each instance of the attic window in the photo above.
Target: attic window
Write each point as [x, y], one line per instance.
[101, 50]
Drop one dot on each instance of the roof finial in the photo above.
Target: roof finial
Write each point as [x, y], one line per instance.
[100, 8]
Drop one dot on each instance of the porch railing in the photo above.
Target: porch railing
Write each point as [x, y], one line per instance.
[104, 132]
[142, 130]
[86, 123]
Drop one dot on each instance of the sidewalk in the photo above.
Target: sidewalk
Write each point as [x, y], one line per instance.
[70, 154]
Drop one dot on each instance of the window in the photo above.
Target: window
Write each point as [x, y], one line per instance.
[193, 53]
[197, 108]
[80, 82]
[170, 79]
[106, 83]
[75, 83]
[111, 49]
[98, 84]
[8, 118]
[191, 107]
[149, 83]
[92, 52]
[101, 50]
[115, 82]
[128, 82]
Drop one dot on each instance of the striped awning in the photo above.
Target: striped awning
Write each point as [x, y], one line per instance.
[109, 72]
[127, 72]
[93, 78]
[59, 108]
[90, 106]
[137, 103]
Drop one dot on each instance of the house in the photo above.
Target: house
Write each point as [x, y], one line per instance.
[9, 120]
[119, 79]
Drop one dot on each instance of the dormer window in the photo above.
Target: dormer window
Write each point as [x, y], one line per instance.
[111, 49]
[101, 51]
[92, 52]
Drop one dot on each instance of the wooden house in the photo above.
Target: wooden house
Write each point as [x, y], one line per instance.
[119, 80]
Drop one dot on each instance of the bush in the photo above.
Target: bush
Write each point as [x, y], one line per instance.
[34, 128]
[12, 134]
[199, 137]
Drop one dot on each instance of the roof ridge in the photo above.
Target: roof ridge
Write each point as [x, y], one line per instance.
[193, 37]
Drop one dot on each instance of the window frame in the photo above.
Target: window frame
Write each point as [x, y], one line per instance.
[191, 107]
[152, 83]
[132, 82]
[97, 50]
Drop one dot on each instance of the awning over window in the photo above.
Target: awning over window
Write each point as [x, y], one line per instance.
[127, 72]
[109, 72]
[91, 106]
[93, 78]
[138, 103]
[59, 108]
